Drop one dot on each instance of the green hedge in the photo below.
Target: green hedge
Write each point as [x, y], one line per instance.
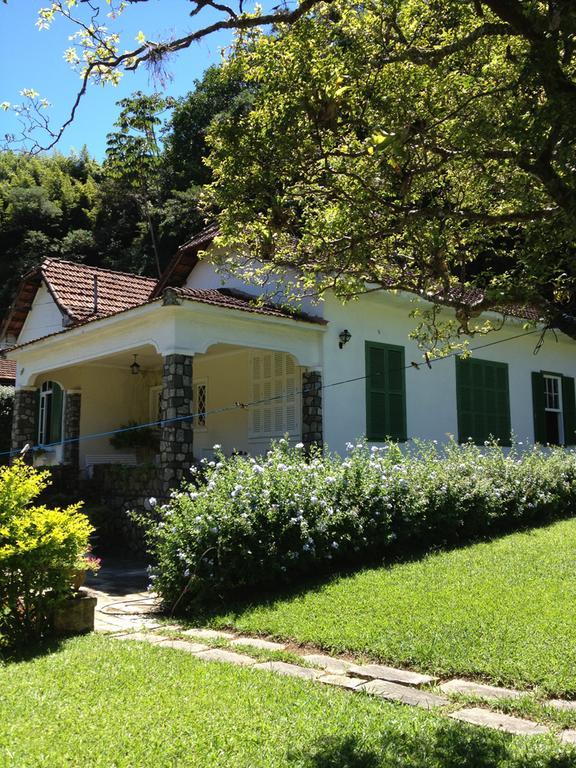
[250, 523]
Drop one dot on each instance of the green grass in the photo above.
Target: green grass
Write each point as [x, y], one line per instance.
[100, 703]
[503, 610]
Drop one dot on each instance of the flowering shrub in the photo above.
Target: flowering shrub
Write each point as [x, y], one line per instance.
[40, 549]
[249, 522]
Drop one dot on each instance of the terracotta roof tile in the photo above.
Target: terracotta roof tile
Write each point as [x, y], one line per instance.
[185, 259]
[232, 299]
[7, 369]
[74, 286]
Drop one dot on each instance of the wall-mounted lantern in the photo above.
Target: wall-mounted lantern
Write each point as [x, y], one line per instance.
[344, 337]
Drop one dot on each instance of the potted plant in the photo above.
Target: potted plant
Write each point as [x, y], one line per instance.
[145, 441]
[86, 562]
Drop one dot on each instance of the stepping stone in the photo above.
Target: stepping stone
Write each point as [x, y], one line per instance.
[334, 666]
[293, 670]
[209, 634]
[220, 654]
[568, 737]
[467, 688]
[566, 706]
[257, 642]
[403, 694]
[342, 681]
[379, 672]
[142, 637]
[499, 722]
[184, 645]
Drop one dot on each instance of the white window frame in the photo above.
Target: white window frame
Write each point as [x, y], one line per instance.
[154, 406]
[283, 415]
[560, 410]
[200, 425]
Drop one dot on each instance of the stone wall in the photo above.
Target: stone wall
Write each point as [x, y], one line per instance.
[24, 423]
[177, 438]
[72, 406]
[312, 409]
[114, 491]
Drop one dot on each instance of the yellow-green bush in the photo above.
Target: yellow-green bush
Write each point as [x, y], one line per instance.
[39, 551]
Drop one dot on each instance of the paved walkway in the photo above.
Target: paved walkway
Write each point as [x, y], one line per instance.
[127, 611]
[120, 587]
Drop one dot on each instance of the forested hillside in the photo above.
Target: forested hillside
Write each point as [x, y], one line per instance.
[129, 212]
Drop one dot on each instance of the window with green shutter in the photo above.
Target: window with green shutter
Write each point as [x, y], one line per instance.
[50, 415]
[385, 392]
[482, 401]
[554, 408]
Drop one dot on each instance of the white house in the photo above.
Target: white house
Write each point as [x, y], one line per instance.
[97, 349]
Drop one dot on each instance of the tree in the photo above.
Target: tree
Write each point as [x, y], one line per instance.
[423, 145]
[133, 156]
[95, 49]
[426, 145]
[47, 208]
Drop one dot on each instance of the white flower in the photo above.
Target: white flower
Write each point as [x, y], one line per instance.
[299, 445]
[258, 469]
[152, 501]
[334, 545]
[349, 446]
[216, 447]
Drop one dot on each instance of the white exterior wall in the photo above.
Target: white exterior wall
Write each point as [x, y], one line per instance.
[430, 394]
[43, 318]
[204, 276]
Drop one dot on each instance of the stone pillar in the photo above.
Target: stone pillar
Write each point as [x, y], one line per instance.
[25, 420]
[72, 406]
[312, 409]
[176, 440]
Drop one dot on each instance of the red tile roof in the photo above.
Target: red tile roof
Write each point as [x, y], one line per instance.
[82, 291]
[73, 287]
[185, 259]
[232, 299]
[7, 370]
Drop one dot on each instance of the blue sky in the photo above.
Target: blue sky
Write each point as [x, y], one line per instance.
[30, 58]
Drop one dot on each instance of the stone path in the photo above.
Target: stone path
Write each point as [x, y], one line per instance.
[127, 612]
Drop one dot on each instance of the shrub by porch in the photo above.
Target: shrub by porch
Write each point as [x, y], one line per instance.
[40, 550]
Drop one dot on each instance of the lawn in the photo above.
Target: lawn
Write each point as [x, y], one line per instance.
[503, 610]
[101, 703]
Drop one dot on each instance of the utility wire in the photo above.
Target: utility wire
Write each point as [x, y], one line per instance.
[429, 362]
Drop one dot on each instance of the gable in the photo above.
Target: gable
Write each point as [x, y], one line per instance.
[43, 317]
[70, 293]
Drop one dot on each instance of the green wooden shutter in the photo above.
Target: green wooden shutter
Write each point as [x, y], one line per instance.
[569, 409]
[538, 405]
[482, 401]
[55, 435]
[385, 392]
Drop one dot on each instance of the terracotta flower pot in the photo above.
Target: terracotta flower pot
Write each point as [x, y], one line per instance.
[78, 579]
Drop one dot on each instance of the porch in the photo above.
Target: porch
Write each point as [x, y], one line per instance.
[193, 370]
